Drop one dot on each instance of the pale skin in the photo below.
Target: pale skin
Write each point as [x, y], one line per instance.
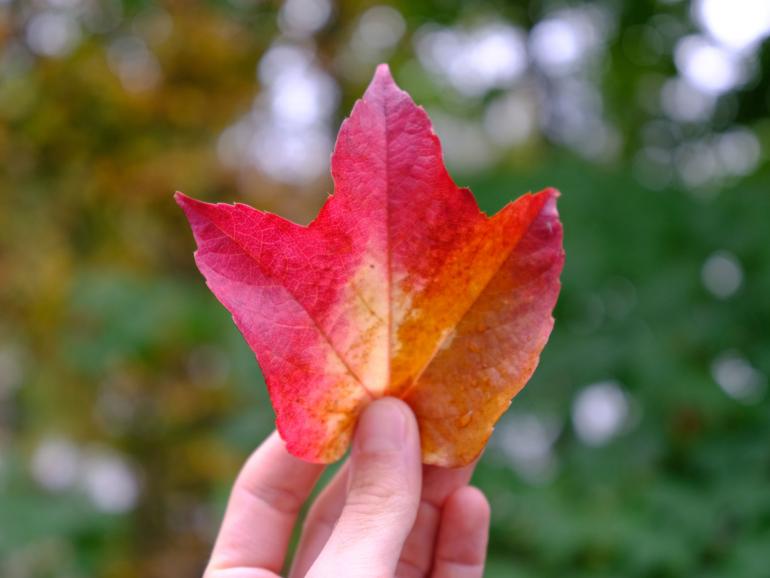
[383, 515]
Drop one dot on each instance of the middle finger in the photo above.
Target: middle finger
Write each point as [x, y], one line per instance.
[438, 484]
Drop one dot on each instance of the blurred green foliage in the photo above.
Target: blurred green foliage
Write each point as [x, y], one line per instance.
[128, 400]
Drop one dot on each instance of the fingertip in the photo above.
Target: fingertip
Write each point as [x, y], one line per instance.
[412, 429]
[387, 424]
[464, 533]
[471, 501]
[394, 404]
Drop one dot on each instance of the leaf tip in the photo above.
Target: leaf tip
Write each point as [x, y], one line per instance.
[181, 199]
[382, 82]
[547, 201]
[550, 204]
[189, 205]
[382, 73]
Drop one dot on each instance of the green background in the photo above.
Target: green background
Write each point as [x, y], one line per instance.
[128, 400]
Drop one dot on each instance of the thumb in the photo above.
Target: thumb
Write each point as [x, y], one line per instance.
[383, 497]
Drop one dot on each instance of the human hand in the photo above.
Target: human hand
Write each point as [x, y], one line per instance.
[382, 515]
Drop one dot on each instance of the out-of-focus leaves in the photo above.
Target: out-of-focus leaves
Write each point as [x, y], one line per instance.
[118, 370]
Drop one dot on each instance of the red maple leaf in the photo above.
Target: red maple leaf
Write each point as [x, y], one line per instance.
[401, 286]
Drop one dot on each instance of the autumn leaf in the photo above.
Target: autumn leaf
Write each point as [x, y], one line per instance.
[400, 287]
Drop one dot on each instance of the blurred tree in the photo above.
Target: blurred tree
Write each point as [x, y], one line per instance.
[127, 398]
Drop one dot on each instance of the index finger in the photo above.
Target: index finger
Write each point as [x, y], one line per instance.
[263, 508]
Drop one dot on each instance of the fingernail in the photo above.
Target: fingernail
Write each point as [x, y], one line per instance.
[382, 427]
